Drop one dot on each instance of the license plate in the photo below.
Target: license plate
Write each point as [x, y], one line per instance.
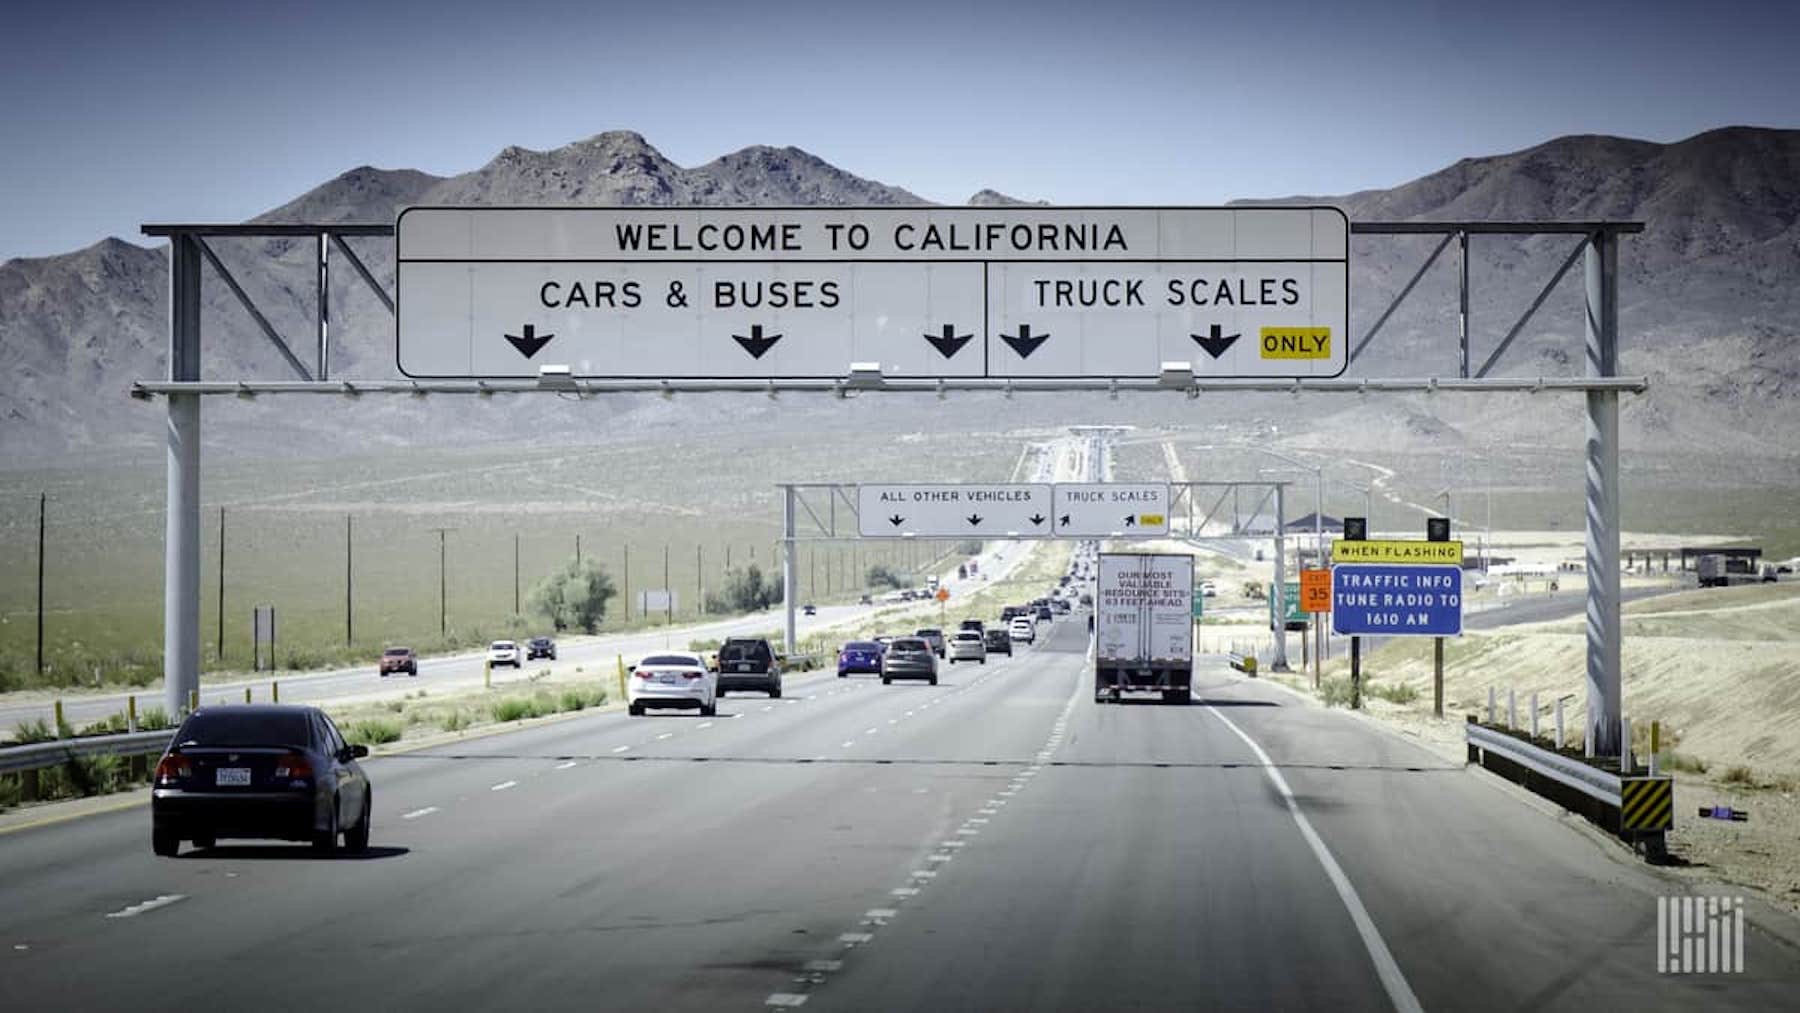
[744, 666]
[231, 777]
[666, 677]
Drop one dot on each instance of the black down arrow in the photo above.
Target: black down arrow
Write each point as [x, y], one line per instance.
[1215, 341]
[950, 342]
[1037, 519]
[1024, 342]
[895, 520]
[530, 342]
[756, 344]
[974, 520]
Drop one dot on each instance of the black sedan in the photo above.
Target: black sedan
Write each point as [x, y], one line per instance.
[270, 771]
[540, 647]
[998, 641]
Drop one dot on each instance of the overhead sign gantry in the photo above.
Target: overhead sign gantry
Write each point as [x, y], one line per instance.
[798, 293]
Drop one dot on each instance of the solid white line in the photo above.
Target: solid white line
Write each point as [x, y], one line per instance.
[150, 905]
[1399, 992]
[416, 813]
[503, 785]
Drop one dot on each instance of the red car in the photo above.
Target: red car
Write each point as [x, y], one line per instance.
[395, 660]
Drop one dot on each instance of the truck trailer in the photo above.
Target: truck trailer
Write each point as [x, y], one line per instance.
[1143, 626]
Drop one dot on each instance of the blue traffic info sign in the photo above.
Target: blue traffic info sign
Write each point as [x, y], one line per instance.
[1396, 600]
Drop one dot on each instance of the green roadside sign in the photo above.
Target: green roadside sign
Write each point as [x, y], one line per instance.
[1292, 596]
[1199, 604]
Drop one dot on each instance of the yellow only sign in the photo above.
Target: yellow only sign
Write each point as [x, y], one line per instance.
[1296, 342]
[1396, 551]
[1150, 520]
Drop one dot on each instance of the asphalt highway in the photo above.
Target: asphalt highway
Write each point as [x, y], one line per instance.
[996, 842]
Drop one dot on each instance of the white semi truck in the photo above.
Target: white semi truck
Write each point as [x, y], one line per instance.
[1143, 626]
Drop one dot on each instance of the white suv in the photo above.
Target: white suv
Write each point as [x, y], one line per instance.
[504, 652]
[1024, 628]
[968, 645]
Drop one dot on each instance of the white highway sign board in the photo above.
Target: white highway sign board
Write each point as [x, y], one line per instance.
[926, 292]
[959, 510]
[1111, 510]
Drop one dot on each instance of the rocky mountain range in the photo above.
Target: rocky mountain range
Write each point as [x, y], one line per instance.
[1710, 308]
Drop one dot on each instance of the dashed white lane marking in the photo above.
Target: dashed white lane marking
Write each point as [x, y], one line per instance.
[923, 874]
[703, 724]
[786, 999]
[975, 821]
[968, 831]
[905, 891]
[855, 938]
[620, 749]
[565, 765]
[665, 735]
[824, 966]
[952, 844]
[848, 743]
[768, 708]
[150, 905]
[878, 913]
[1399, 992]
[503, 785]
[416, 813]
[870, 731]
[941, 856]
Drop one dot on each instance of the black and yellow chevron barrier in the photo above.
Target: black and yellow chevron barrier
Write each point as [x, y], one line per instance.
[1646, 803]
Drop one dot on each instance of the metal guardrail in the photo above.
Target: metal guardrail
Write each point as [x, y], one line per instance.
[1596, 784]
[38, 755]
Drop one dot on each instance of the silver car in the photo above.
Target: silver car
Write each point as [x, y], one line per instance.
[968, 645]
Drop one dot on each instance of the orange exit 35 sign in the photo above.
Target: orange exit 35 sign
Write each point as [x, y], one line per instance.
[1315, 590]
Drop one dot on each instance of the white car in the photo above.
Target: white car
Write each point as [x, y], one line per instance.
[672, 680]
[968, 645]
[505, 652]
[1023, 628]
[1208, 589]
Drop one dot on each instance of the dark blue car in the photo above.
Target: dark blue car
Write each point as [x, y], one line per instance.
[860, 656]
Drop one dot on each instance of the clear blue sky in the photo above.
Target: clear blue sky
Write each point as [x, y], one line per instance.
[115, 114]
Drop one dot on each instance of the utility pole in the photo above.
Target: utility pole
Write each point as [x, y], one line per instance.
[43, 500]
[515, 573]
[443, 583]
[219, 647]
[349, 580]
[668, 592]
[699, 580]
[627, 582]
[578, 552]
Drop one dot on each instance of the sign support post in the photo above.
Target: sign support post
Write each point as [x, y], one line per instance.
[1355, 673]
[1280, 664]
[1437, 677]
[1604, 707]
[787, 566]
[181, 545]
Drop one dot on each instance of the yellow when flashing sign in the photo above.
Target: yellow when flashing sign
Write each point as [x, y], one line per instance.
[1396, 551]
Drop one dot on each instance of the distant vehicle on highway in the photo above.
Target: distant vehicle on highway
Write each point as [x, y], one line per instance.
[809, 609]
[973, 624]
[540, 647]
[934, 637]
[998, 641]
[968, 645]
[748, 663]
[1061, 606]
[865, 600]
[909, 658]
[268, 771]
[1023, 628]
[1045, 613]
[860, 656]
[672, 680]
[504, 652]
[395, 660]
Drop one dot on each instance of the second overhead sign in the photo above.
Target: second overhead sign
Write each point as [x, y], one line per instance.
[1011, 510]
